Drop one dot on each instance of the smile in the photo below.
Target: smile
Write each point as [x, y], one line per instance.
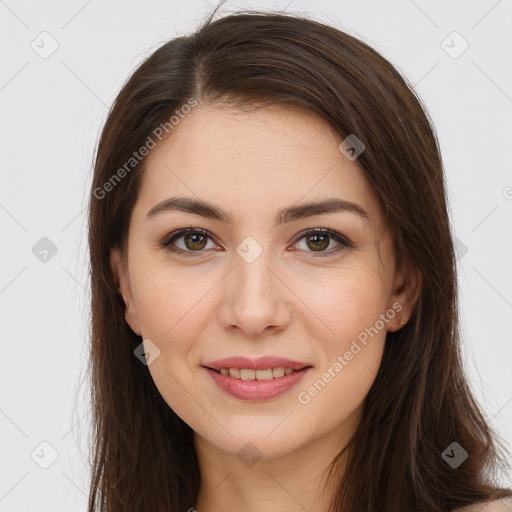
[250, 374]
[256, 385]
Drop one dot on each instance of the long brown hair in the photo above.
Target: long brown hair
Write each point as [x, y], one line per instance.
[420, 403]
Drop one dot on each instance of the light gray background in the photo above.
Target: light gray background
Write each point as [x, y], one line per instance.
[52, 110]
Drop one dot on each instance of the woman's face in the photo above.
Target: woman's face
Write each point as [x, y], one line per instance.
[257, 284]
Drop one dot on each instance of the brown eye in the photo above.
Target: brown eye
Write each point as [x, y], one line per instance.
[194, 241]
[318, 240]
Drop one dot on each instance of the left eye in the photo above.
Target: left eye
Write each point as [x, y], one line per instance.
[195, 240]
[320, 239]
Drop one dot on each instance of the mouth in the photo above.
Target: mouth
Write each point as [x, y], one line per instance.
[257, 384]
[248, 374]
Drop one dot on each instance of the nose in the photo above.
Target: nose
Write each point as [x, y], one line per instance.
[255, 300]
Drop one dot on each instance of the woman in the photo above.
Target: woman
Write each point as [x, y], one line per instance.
[274, 310]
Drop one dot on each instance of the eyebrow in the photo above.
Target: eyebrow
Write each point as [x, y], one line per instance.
[289, 214]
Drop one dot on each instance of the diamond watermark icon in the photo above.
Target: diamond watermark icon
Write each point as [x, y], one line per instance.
[454, 455]
[249, 249]
[44, 45]
[44, 250]
[351, 147]
[454, 45]
[249, 454]
[147, 352]
[460, 248]
[44, 455]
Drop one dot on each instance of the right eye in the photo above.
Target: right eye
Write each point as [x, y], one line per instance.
[194, 241]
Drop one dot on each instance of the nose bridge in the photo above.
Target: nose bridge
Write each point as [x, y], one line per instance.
[252, 275]
[253, 259]
[252, 278]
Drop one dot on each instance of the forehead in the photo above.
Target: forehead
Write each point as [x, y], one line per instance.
[253, 160]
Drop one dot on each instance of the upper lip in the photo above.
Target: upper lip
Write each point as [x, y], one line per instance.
[261, 363]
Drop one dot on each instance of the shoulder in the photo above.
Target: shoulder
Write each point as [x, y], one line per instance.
[503, 505]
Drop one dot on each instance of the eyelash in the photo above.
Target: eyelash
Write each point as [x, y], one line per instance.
[342, 240]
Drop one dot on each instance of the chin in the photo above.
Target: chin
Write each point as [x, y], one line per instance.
[266, 438]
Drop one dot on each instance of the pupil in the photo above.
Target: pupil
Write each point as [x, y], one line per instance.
[195, 243]
[316, 237]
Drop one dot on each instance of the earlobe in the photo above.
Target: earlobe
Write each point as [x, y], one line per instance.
[122, 279]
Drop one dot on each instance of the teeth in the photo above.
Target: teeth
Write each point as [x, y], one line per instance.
[234, 372]
[249, 374]
[278, 372]
[264, 374]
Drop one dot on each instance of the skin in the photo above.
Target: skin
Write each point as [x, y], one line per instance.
[287, 303]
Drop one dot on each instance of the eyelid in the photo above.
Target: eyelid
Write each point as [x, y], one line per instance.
[341, 239]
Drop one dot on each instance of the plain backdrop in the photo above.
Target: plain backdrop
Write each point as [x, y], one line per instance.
[63, 64]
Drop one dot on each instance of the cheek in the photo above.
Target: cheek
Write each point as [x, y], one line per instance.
[345, 303]
[172, 309]
[351, 350]
[171, 302]
[167, 321]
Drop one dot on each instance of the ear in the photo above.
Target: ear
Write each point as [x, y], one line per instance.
[406, 290]
[121, 276]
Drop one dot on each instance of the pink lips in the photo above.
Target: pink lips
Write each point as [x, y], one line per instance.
[256, 390]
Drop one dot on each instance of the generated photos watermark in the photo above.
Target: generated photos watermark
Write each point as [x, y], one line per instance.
[137, 156]
[304, 397]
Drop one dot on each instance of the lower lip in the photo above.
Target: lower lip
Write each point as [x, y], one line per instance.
[257, 389]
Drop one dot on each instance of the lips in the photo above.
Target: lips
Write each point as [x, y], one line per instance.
[256, 379]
